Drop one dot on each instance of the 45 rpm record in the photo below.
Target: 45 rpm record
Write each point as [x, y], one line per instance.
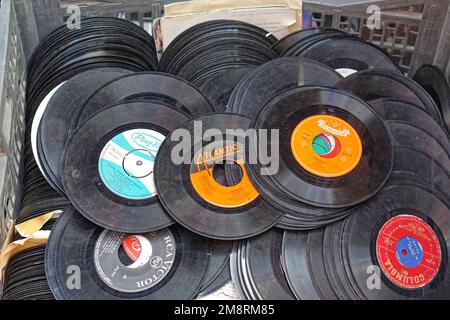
[295, 37]
[219, 88]
[108, 166]
[400, 111]
[168, 264]
[376, 84]
[349, 53]
[255, 90]
[257, 268]
[422, 168]
[190, 191]
[219, 257]
[433, 80]
[167, 88]
[53, 127]
[335, 151]
[302, 255]
[404, 231]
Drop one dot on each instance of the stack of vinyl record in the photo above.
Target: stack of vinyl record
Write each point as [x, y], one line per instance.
[321, 186]
[393, 241]
[211, 48]
[25, 276]
[100, 42]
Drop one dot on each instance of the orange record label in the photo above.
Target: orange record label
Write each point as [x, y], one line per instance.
[326, 146]
[206, 186]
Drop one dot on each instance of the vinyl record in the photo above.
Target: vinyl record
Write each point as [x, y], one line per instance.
[260, 269]
[335, 151]
[375, 84]
[434, 81]
[168, 264]
[32, 134]
[108, 166]
[222, 279]
[151, 86]
[420, 167]
[295, 37]
[219, 88]
[52, 129]
[190, 191]
[303, 262]
[404, 231]
[218, 261]
[406, 135]
[349, 53]
[255, 90]
[297, 48]
[400, 111]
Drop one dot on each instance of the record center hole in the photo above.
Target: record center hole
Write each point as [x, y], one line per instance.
[326, 145]
[129, 250]
[219, 175]
[404, 252]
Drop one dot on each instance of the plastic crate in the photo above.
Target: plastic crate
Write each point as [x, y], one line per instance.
[140, 12]
[12, 110]
[413, 32]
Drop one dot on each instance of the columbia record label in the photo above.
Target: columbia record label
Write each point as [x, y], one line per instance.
[134, 263]
[408, 251]
[126, 163]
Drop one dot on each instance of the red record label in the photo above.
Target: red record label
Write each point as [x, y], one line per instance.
[408, 251]
[132, 247]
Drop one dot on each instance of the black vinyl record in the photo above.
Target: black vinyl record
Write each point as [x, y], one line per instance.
[406, 135]
[53, 127]
[295, 37]
[219, 88]
[400, 111]
[258, 263]
[255, 90]
[222, 279]
[375, 84]
[335, 151]
[297, 48]
[349, 53]
[168, 264]
[434, 81]
[108, 163]
[219, 257]
[190, 191]
[422, 168]
[304, 266]
[152, 86]
[404, 232]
